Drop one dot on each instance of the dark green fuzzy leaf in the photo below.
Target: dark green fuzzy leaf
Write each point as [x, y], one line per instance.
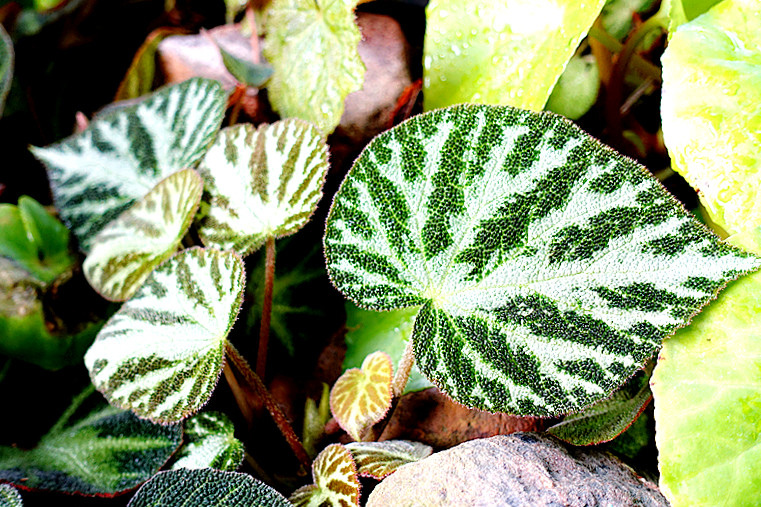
[548, 267]
[211, 443]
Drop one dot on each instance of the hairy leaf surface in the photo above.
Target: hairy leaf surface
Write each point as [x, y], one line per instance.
[380, 459]
[335, 480]
[6, 66]
[362, 396]
[161, 354]
[206, 488]
[126, 251]
[97, 174]
[711, 110]
[261, 182]
[312, 46]
[211, 443]
[548, 267]
[500, 52]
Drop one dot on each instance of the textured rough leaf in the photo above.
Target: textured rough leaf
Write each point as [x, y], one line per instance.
[6, 66]
[206, 488]
[607, 419]
[379, 459]
[312, 46]
[361, 397]
[97, 174]
[9, 497]
[103, 452]
[211, 443]
[711, 110]
[261, 182]
[161, 354]
[335, 480]
[548, 267]
[500, 52]
[125, 252]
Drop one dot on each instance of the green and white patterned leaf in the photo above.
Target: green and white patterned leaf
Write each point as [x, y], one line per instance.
[101, 451]
[6, 66]
[97, 174]
[261, 182]
[211, 443]
[206, 488]
[126, 251]
[162, 353]
[711, 110]
[548, 267]
[312, 46]
[500, 52]
[380, 459]
[9, 497]
[335, 480]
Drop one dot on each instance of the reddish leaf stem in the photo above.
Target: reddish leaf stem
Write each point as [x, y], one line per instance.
[264, 330]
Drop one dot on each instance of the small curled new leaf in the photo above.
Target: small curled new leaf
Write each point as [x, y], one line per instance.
[380, 459]
[335, 480]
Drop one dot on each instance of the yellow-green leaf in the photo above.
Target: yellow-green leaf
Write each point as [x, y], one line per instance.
[335, 480]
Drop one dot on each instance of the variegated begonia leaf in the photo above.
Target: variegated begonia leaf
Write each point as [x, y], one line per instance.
[711, 110]
[500, 52]
[206, 488]
[162, 353]
[380, 459]
[312, 46]
[261, 183]
[335, 480]
[127, 249]
[211, 443]
[548, 267]
[6, 66]
[362, 396]
[9, 496]
[94, 450]
[97, 174]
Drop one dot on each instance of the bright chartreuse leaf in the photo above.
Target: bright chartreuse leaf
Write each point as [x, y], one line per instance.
[368, 331]
[617, 15]
[711, 110]
[233, 8]
[162, 353]
[604, 421]
[548, 267]
[500, 52]
[97, 174]
[335, 480]
[362, 396]
[312, 46]
[211, 443]
[682, 11]
[126, 250]
[576, 90]
[6, 66]
[9, 496]
[380, 459]
[94, 449]
[206, 488]
[34, 240]
[261, 183]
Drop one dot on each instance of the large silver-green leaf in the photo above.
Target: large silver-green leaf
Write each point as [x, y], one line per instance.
[211, 443]
[261, 182]
[125, 252]
[312, 46]
[206, 488]
[548, 267]
[711, 110]
[161, 354]
[98, 173]
[500, 52]
[6, 66]
[94, 449]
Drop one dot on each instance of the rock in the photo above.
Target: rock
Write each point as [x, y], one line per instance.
[516, 470]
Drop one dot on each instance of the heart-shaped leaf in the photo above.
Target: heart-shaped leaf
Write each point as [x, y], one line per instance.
[312, 46]
[102, 451]
[714, 143]
[98, 173]
[500, 52]
[6, 66]
[380, 459]
[335, 480]
[127, 249]
[548, 267]
[161, 354]
[261, 183]
[206, 488]
[9, 497]
[211, 443]
[361, 397]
